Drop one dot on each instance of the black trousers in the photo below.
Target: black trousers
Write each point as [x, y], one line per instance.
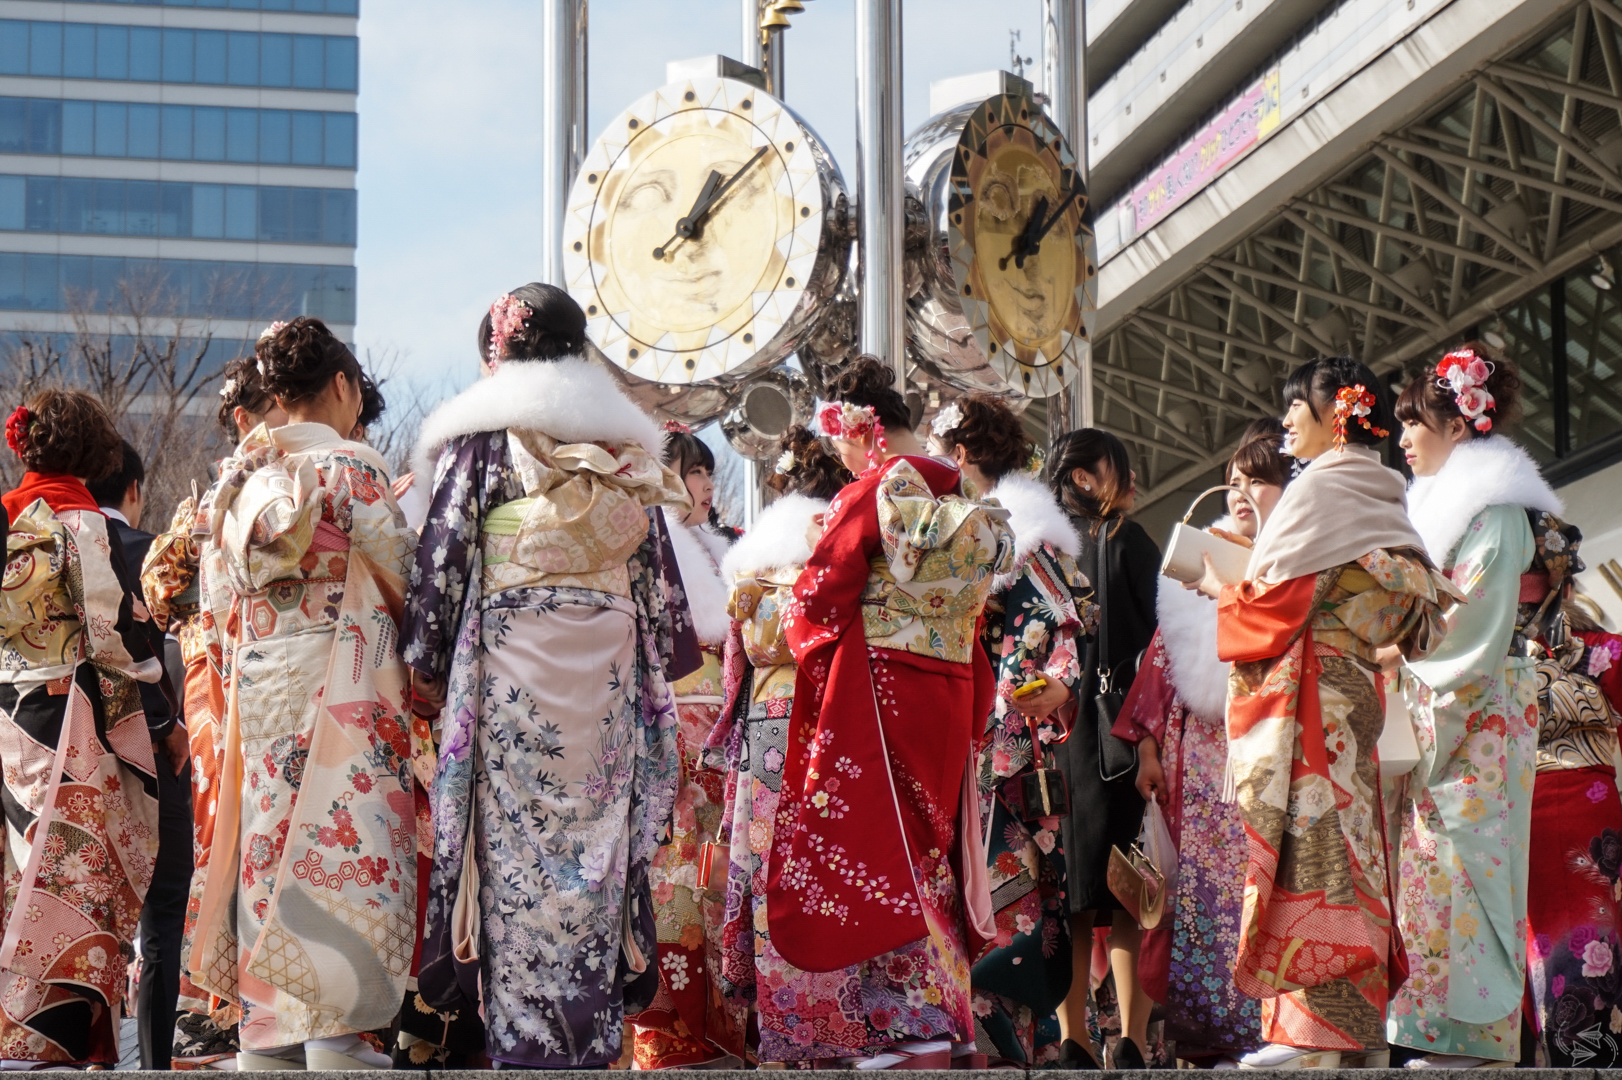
[163, 919]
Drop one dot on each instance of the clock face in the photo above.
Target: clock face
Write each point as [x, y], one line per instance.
[1027, 300]
[722, 300]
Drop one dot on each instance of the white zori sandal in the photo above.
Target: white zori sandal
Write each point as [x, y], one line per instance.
[1279, 1056]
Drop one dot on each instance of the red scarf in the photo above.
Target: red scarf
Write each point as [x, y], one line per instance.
[59, 490]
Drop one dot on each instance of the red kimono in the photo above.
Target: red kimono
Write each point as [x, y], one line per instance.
[876, 873]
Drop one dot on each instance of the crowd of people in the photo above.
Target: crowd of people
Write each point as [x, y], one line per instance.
[557, 771]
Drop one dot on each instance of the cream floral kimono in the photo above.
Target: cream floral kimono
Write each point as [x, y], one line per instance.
[308, 915]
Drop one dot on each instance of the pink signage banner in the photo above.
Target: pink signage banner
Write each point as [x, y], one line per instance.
[1243, 124]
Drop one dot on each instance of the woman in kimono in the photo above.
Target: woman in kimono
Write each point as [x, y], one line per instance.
[876, 887]
[540, 616]
[1092, 478]
[688, 1023]
[1574, 964]
[308, 909]
[1337, 574]
[752, 737]
[81, 821]
[170, 581]
[1036, 617]
[1464, 811]
[1175, 714]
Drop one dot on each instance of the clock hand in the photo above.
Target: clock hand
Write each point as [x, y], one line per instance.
[684, 227]
[1036, 240]
[1022, 242]
[695, 217]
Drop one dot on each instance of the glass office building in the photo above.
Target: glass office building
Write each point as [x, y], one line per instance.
[191, 162]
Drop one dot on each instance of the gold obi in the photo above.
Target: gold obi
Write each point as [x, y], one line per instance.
[758, 602]
[39, 625]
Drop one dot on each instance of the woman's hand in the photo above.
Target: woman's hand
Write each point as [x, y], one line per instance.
[1045, 702]
[402, 484]
[1209, 585]
[1151, 781]
[1389, 657]
[813, 531]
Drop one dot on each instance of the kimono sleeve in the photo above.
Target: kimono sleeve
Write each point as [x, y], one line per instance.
[1496, 549]
[1258, 621]
[828, 594]
[377, 528]
[1143, 713]
[445, 552]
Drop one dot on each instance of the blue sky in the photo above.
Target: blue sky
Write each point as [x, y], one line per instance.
[451, 134]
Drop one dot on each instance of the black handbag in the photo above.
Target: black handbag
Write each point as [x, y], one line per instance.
[1039, 793]
[1116, 756]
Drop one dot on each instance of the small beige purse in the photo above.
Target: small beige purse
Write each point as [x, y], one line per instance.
[1184, 554]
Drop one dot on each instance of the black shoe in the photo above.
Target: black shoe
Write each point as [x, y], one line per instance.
[1072, 1055]
[1128, 1058]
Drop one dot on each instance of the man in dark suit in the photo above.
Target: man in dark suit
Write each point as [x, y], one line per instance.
[163, 919]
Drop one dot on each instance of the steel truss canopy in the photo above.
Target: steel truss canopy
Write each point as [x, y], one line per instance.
[1437, 229]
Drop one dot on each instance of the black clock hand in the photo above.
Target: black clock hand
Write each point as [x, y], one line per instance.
[1036, 240]
[684, 227]
[1022, 242]
[695, 217]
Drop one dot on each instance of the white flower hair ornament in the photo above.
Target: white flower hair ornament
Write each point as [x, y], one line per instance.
[947, 419]
[228, 389]
[785, 462]
[1464, 375]
[272, 330]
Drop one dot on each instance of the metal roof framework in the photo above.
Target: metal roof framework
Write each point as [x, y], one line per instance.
[1429, 234]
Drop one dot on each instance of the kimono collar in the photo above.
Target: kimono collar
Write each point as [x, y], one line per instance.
[1478, 474]
[700, 579]
[1343, 506]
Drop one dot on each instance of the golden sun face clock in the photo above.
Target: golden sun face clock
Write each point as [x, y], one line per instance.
[1020, 246]
[701, 234]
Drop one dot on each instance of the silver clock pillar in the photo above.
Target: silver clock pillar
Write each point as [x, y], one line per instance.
[1064, 78]
[879, 185]
[563, 122]
[751, 52]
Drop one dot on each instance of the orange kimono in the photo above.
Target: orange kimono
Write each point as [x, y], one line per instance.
[1305, 710]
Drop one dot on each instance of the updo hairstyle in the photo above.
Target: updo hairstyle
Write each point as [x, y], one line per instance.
[70, 432]
[991, 435]
[1427, 401]
[244, 387]
[1316, 382]
[298, 360]
[817, 472]
[555, 327]
[869, 381]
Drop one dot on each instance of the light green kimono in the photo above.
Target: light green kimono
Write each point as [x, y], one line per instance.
[1466, 810]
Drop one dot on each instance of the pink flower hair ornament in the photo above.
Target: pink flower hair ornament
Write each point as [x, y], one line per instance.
[853, 423]
[676, 427]
[1464, 375]
[507, 317]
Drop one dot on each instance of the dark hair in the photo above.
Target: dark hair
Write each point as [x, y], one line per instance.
[110, 489]
[1316, 382]
[1259, 456]
[869, 381]
[70, 432]
[299, 360]
[1086, 449]
[685, 451]
[242, 386]
[555, 328]
[1426, 401]
[991, 436]
[817, 473]
[372, 403]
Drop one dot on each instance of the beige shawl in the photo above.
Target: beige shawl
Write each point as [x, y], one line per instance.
[1343, 506]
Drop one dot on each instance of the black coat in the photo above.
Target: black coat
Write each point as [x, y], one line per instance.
[1106, 813]
[143, 638]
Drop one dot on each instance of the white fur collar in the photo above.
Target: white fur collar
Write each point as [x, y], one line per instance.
[776, 540]
[572, 400]
[1478, 474]
[706, 596]
[1188, 630]
[1035, 518]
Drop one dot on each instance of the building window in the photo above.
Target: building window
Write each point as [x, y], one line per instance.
[195, 288]
[272, 215]
[176, 132]
[310, 7]
[147, 54]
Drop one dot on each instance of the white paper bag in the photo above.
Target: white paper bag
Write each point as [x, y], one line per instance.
[1398, 746]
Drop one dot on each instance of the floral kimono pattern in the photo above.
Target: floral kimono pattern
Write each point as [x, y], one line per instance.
[1033, 626]
[308, 912]
[81, 812]
[1466, 811]
[541, 593]
[874, 925]
[1317, 943]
